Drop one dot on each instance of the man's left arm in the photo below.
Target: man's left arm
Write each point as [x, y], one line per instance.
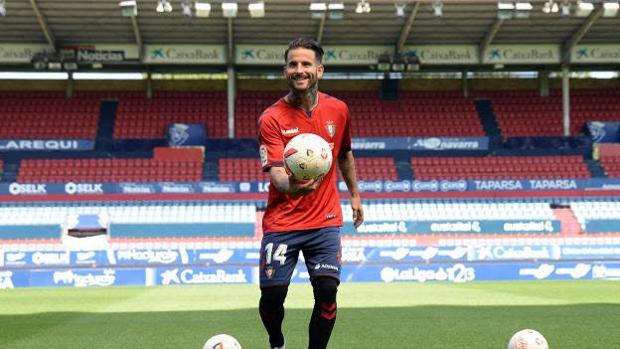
[346, 162]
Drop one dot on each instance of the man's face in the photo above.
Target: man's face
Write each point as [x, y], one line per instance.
[302, 69]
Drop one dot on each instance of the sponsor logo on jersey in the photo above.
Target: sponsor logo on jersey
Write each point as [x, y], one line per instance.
[264, 159]
[290, 131]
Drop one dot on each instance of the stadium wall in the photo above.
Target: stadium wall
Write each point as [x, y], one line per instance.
[33, 85]
[109, 85]
[431, 85]
[328, 85]
[189, 85]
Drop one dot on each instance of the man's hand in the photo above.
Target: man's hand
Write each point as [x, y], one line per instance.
[301, 188]
[358, 211]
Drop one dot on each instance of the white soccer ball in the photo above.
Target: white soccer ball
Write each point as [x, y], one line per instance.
[222, 341]
[307, 156]
[528, 339]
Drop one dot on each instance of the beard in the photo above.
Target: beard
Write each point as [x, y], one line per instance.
[311, 86]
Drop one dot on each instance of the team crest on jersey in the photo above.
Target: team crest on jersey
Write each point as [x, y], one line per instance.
[263, 155]
[269, 272]
[331, 128]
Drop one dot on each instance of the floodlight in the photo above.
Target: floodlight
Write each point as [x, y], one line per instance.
[523, 9]
[129, 8]
[362, 7]
[438, 9]
[257, 9]
[203, 9]
[550, 7]
[336, 10]
[610, 8]
[318, 9]
[367, 8]
[584, 8]
[565, 9]
[400, 9]
[2, 8]
[163, 6]
[505, 9]
[318, 6]
[229, 9]
[186, 8]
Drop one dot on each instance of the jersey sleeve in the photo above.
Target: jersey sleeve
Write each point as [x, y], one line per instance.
[270, 142]
[346, 135]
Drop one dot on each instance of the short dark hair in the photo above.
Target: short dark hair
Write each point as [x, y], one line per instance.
[308, 43]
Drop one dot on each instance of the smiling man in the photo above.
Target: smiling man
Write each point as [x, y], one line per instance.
[304, 216]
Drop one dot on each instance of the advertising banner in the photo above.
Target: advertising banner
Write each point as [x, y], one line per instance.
[449, 227]
[21, 53]
[595, 53]
[46, 144]
[415, 143]
[103, 53]
[444, 54]
[184, 54]
[522, 54]
[376, 186]
[333, 55]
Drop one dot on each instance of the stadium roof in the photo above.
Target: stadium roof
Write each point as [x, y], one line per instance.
[65, 22]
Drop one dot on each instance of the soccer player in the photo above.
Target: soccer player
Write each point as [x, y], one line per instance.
[304, 216]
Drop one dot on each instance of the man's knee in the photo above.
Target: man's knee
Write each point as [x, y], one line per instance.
[325, 289]
[273, 296]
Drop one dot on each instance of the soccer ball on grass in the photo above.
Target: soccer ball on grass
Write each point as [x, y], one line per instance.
[528, 339]
[307, 156]
[222, 341]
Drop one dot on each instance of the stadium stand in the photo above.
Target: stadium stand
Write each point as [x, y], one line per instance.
[154, 219]
[108, 170]
[593, 105]
[500, 167]
[610, 159]
[47, 115]
[241, 169]
[415, 114]
[138, 117]
[373, 168]
[248, 107]
[378, 210]
[526, 113]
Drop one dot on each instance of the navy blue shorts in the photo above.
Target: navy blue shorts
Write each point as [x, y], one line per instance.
[279, 253]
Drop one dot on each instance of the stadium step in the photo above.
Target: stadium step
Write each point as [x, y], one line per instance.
[569, 223]
[487, 117]
[107, 118]
[595, 168]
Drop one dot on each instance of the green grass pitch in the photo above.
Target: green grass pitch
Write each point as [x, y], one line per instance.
[478, 315]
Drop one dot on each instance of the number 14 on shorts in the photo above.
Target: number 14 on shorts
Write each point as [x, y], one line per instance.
[279, 255]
